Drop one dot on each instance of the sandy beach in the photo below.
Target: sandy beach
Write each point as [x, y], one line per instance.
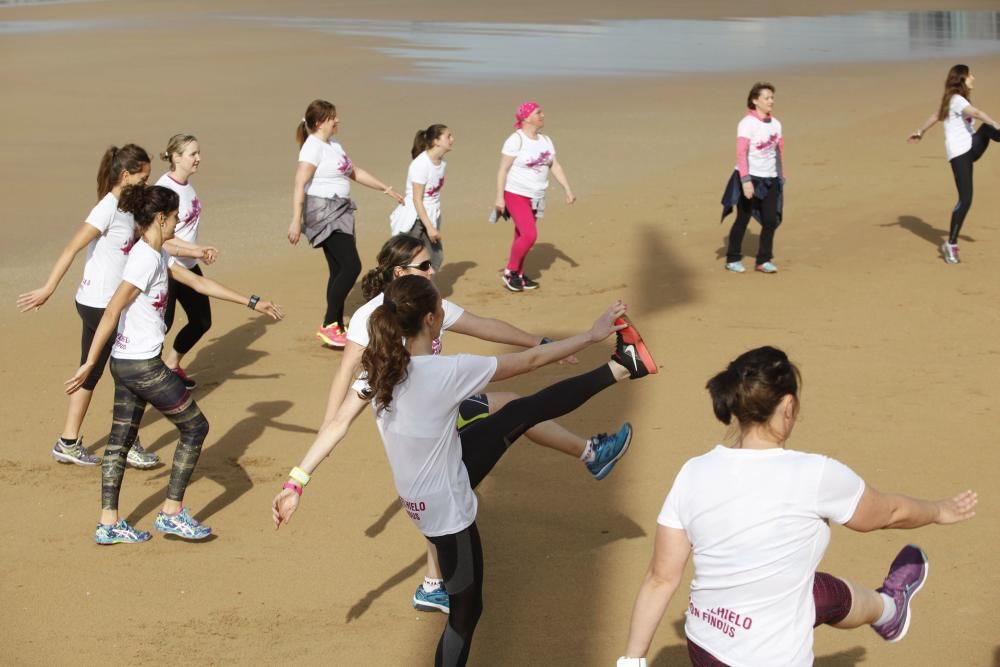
[898, 350]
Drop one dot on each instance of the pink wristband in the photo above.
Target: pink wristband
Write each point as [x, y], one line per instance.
[292, 486]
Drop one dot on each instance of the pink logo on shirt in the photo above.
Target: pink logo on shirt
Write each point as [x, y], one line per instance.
[345, 166]
[544, 159]
[127, 246]
[160, 302]
[192, 215]
[436, 189]
[769, 143]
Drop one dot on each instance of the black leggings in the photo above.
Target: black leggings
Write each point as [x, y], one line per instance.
[961, 167]
[484, 442]
[91, 317]
[341, 252]
[138, 382]
[768, 223]
[197, 308]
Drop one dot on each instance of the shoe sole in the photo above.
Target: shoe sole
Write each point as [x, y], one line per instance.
[743, 270]
[142, 466]
[527, 287]
[909, 614]
[183, 536]
[603, 472]
[63, 458]
[330, 341]
[764, 271]
[108, 544]
[420, 605]
[632, 336]
[507, 285]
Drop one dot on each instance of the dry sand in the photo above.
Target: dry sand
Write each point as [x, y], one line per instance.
[899, 351]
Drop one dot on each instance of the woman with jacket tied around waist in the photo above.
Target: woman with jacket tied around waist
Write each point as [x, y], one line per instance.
[322, 209]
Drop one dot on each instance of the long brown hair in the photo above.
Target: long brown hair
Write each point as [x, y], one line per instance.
[408, 301]
[317, 112]
[397, 251]
[424, 139]
[145, 201]
[753, 385]
[115, 160]
[954, 85]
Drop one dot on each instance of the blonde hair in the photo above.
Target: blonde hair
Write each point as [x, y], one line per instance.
[177, 144]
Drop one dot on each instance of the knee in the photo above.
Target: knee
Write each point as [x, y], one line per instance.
[195, 430]
[204, 323]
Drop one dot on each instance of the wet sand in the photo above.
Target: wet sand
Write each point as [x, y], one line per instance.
[898, 350]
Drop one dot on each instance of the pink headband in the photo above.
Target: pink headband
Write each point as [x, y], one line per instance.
[524, 111]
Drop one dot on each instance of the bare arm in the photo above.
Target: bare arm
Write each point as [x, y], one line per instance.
[505, 163]
[928, 124]
[369, 181]
[670, 554]
[347, 371]
[303, 174]
[560, 176]
[494, 330]
[36, 298]
[877, 510]
[972, 112]
[123, 296]
[418, 203]
[210, 288]
[181, 248]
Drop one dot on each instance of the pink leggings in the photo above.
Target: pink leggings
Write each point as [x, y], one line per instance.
[525, 231]
[833, 604]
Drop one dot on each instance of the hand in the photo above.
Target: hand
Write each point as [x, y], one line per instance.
[570, 197]
[914, 138]
[283, 507]
[958, 508]
[269, 308]
[33, 300]
[208, 254]
[395, 195]
[294, 231]
[500, 207]
[605, 325]
[571, 360]
[434, 235]
[748, 190]
[79, 377]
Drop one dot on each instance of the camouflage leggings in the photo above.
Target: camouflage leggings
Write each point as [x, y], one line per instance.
[138, 382]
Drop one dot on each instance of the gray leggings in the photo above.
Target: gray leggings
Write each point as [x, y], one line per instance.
[138, 382]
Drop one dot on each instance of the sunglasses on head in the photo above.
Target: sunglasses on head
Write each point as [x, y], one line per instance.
[422, 266]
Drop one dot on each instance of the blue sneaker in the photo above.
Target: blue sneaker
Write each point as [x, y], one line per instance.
[120, 533]
[436, 600]
[181, 524]
[608, 449]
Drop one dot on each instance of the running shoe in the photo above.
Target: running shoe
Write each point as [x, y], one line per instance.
[436, 600]
[950, 252]
[608, 449]
[188, 382]
[181, 524]
[74, 453]
[631, 352]
[512, 281]
[332, 335]
[766, 267]
[906, 577]
[120, 533]
[736, 267]
[140, 458]
[527, 283]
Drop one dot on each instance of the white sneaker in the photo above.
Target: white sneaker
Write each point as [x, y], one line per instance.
[950, 253]
[736, 267]
[140, 458]
[766, 267]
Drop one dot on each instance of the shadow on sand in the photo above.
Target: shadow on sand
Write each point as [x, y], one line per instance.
[921, 229]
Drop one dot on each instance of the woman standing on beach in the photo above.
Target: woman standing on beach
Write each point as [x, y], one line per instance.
[420, 213]
[184, 155]
[963, 145]
[404, 255]
[526, 159]
[756, 518]
[760, 152]
[417, 394]
[136, 311]
[108, 234]
[322, 209]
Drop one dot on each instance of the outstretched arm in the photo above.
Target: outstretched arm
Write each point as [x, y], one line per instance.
[210, 288]
[972, 112]
[181, 248]
[369, 181]
[877, 510]
[36, 298]
[928, 124]
[494, 330]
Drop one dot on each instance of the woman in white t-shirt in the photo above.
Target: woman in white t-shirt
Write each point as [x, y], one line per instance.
[760, 152]
[526, 158]
[417, 395]
[184, 155]
[963, 145]
[323, 210]
[420, 213]
[108, 234]
[135, 316]
[756, 519]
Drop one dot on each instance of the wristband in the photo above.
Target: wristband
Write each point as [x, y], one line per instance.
[631, 662]
[252, 304]
[299, 475]
[545, 340]
[292, 486]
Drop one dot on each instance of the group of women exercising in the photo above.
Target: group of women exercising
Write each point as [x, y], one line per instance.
[754, 517]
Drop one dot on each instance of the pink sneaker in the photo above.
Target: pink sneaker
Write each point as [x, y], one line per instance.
[332, 335]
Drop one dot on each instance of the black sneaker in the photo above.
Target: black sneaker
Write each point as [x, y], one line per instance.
[528, 283]
[631, 352]
[512, 281]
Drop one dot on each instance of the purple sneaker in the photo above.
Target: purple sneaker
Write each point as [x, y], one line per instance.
[906, 577]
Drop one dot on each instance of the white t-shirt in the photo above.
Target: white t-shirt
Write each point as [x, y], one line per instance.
[529, 173]
[423, 447]
[958, 129]
[422, 170]
[106, 255]
[141, 328]
[757, 523]
[333, 167]
[188, 215]
[765, 137]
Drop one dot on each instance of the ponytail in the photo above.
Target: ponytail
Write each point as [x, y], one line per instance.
[424, 139]
[397, 251]
[144, 202]
[317, 112]
[752, 386]
[129, 158]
